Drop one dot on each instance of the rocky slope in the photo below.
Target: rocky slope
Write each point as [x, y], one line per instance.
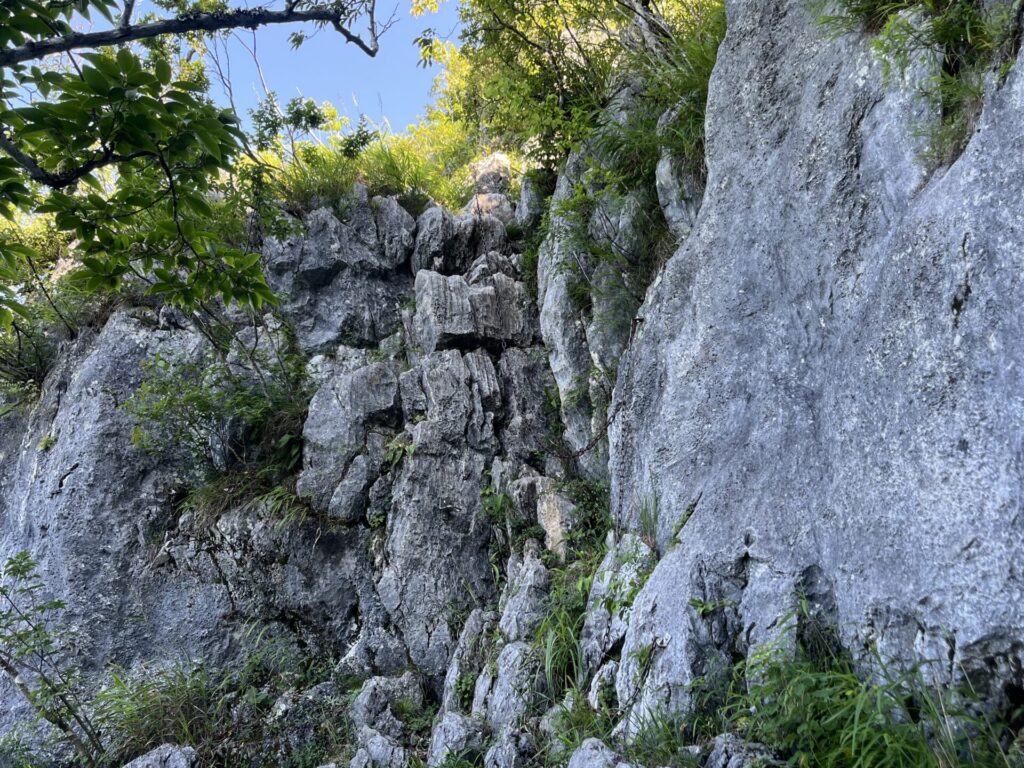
[819, 399]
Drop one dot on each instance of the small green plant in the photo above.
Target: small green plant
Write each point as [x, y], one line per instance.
[51, 307]
[465, 687]
[398, 448]
[417, 716]
[46, 443]
[705, 608]
[17, 752]
[497, 504]
[677, 527]
[593, 514]
[650, 516]
[575, 722]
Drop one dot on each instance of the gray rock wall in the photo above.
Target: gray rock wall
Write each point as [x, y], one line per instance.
[821, 395]
[825, 392]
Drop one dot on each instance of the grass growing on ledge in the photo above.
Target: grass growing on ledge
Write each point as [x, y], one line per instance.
[826, 715]
[813, 708]
[223, 715]
[970, 38]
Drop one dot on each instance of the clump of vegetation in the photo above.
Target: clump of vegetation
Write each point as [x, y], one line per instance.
[239, 420]
[539, 74]
[510, 530]
[398, 448]
[557, 637]
[313, 158]
[969, 39]
[593, 514]
[820, 712]
[50, 306]
[224, 715]
[418, 718]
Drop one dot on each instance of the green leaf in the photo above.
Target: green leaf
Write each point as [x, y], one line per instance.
[163, 71]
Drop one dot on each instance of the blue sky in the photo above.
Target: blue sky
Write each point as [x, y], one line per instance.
[326, 68]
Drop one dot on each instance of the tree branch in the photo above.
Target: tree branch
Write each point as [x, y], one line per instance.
[126, 14]
[247, 18]
[52, 180]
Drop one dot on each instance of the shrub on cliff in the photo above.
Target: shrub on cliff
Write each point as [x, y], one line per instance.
[968, 39]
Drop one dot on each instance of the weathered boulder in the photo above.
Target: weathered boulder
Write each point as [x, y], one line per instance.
[512, 749]
[442, 242]
[729, 751]
[395, 232]
[530, 208]
[375, 706]
[525, 381]
[491, 174]
[166, 756]
[455, 736]
[452, 313]
[378, 751]
[593, 753]
[514, 686]
[340, 280]
[494, 204]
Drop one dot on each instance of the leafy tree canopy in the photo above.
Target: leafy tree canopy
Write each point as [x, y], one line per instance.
[110, 134]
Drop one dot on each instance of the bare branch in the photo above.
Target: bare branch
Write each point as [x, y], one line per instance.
[241, 18]
[126, 14]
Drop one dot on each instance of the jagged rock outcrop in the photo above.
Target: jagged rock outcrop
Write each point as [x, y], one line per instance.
[92, 509]
[399, 440]
[341, 278]
[816, 402]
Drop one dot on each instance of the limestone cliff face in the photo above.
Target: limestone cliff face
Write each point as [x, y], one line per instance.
[821, 395]
[824, 393]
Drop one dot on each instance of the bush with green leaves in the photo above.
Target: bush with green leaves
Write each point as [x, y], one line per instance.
[240, 420]
[223, 714]
[51, 306]
[538, 75]
[35, 658]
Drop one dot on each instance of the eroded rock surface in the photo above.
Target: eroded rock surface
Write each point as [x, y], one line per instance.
[824, 393]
